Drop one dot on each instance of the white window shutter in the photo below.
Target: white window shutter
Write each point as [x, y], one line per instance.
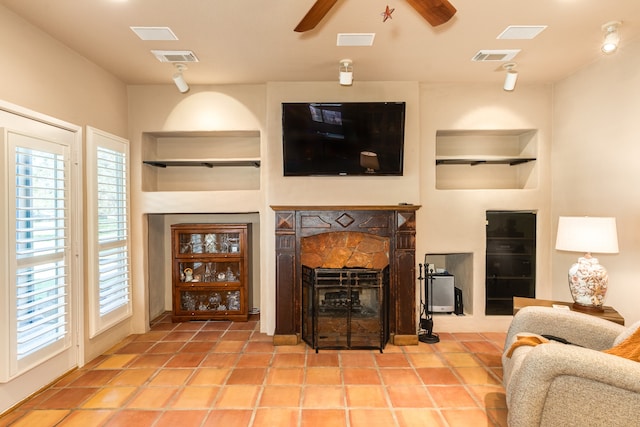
[108, 225]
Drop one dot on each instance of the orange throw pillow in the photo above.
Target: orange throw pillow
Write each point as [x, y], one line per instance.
[629, 348]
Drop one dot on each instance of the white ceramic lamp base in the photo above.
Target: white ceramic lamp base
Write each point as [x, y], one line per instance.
[588, 282]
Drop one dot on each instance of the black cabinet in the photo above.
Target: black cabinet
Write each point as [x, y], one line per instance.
[510, 263]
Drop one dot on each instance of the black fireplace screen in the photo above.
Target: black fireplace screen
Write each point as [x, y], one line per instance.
[344, 307]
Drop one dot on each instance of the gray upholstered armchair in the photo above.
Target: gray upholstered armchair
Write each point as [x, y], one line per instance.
[567, 385]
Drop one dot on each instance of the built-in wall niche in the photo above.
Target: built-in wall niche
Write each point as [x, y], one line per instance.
[486, 159]
[159, 264]
[201, 161]
[460, 265]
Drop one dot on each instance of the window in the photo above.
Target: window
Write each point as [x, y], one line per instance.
[109, 241]
[39, 283]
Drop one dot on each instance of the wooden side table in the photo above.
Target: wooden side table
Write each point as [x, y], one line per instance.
[608, 314]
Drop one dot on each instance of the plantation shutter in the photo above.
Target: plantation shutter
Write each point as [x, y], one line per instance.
[111, 255]
[41, 249]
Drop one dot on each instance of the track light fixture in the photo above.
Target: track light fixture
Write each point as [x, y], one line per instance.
[178, 78]
[511, 78]
[346, 72]
[611, 36]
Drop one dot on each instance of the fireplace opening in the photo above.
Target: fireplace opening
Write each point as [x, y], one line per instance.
[345, 308]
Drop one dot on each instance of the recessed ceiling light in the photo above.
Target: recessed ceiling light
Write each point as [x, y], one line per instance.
[521, 32]
[355, 39]
[154, 33]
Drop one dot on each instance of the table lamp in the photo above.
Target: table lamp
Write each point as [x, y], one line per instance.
[588, 280]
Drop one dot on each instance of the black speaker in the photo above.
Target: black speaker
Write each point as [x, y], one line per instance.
[459, 308]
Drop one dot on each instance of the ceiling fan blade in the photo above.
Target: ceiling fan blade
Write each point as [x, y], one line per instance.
[436, 12]
[315, 15]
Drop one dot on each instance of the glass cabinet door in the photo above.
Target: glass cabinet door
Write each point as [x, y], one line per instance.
[209, 243]
[212, 301]
[196, 273]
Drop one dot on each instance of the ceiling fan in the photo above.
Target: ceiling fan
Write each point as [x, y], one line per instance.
[436, 12]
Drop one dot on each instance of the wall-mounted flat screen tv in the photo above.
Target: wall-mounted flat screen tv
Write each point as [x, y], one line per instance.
[343, 138]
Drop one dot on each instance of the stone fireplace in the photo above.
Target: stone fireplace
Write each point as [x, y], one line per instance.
[345, 249]
[346, 237]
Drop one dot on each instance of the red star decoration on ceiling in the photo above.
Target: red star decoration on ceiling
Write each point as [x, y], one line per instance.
[387, 14]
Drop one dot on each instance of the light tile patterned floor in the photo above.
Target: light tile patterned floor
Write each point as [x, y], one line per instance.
[202, 374]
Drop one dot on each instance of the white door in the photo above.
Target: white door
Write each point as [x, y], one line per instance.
[40, 262]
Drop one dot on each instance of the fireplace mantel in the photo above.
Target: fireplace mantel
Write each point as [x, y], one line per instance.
[403, 207]
[395, 222]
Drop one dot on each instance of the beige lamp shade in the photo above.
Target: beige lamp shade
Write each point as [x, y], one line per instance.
[587, 234]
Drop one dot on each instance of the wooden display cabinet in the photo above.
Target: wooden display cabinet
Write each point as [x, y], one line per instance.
[210, 271]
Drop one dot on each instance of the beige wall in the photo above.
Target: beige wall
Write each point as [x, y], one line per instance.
[595, 170]
[49, 78]
[380, 190]
[43, 75]
[162, 108]
[344, 190]
[453, 221]
[449, 221]
[203, 108]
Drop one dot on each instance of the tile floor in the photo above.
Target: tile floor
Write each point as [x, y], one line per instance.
[202, 374]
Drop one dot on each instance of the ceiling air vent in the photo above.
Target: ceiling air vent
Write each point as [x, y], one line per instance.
[495, 55]
[521, 32]
[355, 39]
[154, 33]
[175, 55]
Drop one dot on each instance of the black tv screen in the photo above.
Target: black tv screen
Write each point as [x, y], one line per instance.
[343, 138]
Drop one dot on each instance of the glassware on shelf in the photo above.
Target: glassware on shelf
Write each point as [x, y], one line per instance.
[214, 300]
[233, 300]
[197, 243]
[230, 276]
[203, 304]
[188, 301]
[209, 272]
[224, 243]
[210, 244]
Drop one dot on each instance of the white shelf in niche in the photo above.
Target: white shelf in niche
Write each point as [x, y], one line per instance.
[486, 159]
[201, 160]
